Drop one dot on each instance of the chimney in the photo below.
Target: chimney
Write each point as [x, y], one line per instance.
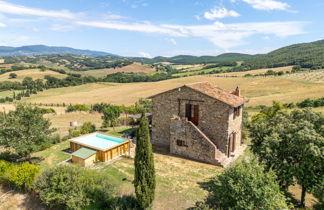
[236, 91]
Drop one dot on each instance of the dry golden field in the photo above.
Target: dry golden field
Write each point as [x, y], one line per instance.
[33, 73]
[260, 90]
[313, 76]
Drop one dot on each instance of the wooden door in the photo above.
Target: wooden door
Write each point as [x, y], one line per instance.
[196, 115]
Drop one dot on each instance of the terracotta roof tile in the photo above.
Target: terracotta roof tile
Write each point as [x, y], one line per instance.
[218, 93]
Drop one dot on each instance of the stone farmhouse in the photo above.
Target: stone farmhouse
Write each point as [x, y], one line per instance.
[199, 121]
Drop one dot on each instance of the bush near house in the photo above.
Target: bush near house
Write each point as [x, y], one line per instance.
[19, 176]
[244, 186]
[88, 127]
[72, 187]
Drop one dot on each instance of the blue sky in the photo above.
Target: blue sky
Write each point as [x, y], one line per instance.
[162, 27]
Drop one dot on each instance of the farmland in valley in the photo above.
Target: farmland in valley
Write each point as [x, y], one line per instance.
[33, 73]
[260, 90]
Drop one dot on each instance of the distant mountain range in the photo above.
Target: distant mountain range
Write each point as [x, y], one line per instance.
[307, 55]
[47, 50]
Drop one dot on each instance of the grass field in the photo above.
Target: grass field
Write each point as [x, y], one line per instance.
[260, 90]
[6, 93]
[179, 181]
[33, 73]
[185, 175]
[135, 67]
[61, 121]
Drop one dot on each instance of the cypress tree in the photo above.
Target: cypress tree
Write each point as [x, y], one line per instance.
[144, 181]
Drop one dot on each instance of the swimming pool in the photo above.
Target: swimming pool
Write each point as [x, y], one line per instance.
[99, 141]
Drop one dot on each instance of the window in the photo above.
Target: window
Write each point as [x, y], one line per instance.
[237, 112]
[181, 143]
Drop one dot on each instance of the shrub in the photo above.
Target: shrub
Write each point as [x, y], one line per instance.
[19, 176]
[4, 167]
[246, 186]
[87, 127]
[77, 107]
[56, 138]
[48, 111]
[126, 202]
[71, 187]
[22, 176]
[12, 75]
[73, 132]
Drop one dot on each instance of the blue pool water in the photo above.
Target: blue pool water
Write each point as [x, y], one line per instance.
[100, 141]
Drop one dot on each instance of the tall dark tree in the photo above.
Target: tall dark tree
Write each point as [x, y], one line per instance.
[144, 181]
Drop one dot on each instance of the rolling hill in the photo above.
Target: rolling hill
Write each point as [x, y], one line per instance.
[47, 50]
[307, 55]
[190, 60]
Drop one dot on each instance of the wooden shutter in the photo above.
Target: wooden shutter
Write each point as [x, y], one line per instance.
[196, 115]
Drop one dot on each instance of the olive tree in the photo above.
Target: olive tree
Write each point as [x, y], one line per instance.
[25, 130]
[291, 144]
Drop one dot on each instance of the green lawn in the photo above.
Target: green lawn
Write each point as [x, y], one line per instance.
[6, 93]
[53, 155]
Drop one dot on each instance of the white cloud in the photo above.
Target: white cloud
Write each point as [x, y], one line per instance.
[62, 27]
[144, 54]
[171, 40]
[225, 36]
[2, 25]
[197, 17]
[139, 27]
[15, 9]
[265, 37]
[231, 35]
[111, 16]
[218, 13]
[267, 4]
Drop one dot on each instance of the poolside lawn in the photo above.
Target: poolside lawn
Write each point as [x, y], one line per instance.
[179, 181]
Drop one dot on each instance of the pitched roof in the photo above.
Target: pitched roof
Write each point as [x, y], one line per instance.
[84, 153]
[215, 92]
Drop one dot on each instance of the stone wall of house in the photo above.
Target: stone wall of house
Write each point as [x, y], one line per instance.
[214, 115]
[196, 145]
[235, 125]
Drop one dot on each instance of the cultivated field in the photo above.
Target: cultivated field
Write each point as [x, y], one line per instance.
[257, 71]
[313, 76]
[260, 90]
[135, 67]
[33, 73]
